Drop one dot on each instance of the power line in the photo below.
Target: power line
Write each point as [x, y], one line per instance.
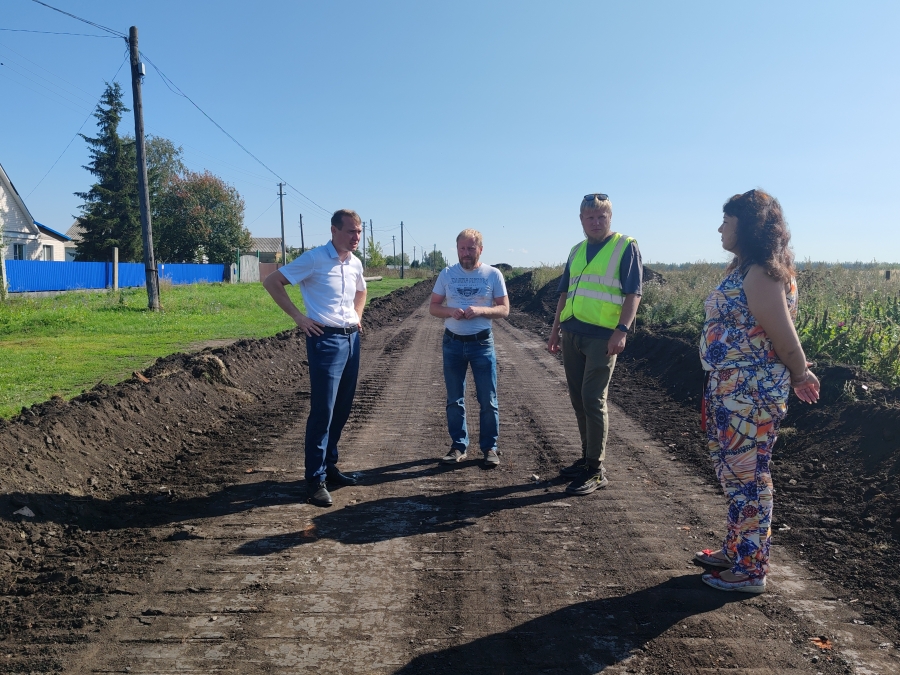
[176, 90]
[90, 95]
[78, 18]
[264, 212]
[73, 137]
[47, 32]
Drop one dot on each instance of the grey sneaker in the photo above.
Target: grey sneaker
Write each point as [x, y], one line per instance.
[491, 459]
[574, 469]
[588, 481]
[455, 455]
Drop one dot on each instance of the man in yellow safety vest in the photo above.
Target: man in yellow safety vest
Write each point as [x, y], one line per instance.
[599, 295]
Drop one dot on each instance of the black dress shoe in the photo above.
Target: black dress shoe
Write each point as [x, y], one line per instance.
[318, 495]
[333, 475]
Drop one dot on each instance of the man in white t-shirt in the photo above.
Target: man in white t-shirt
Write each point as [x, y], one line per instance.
[334, 293]
[475, 294]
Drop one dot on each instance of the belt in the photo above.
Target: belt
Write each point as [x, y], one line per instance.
[483, 335]
[331, 330]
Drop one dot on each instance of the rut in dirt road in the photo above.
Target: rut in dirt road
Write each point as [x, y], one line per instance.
[430, 569]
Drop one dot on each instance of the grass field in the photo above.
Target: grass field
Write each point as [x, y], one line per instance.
[64, 344]
[846, 314]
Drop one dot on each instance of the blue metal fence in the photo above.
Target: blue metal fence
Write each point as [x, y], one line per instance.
[39, 275]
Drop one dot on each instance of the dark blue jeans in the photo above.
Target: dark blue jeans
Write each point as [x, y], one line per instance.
[333, 368]
[458, 356]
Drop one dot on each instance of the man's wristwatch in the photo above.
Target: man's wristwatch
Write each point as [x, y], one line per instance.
[622, 327]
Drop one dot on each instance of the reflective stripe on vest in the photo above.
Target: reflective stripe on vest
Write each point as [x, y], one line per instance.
[595, 289]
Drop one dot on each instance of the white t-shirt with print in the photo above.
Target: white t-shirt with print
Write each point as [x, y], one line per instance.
[464, 288]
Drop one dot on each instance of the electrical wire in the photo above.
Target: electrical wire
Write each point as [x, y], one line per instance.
[264, 212]
[73, 137]
[176, 90]
[90, 95]
[47, 32]
[90, 23]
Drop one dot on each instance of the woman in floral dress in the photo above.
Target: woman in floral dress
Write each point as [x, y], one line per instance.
[752, 355]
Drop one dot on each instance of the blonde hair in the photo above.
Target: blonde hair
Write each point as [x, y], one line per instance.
[470, 234]
[594, 203]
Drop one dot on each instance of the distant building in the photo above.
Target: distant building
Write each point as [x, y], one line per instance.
[267, 248]
[74, 233]
[23, 238]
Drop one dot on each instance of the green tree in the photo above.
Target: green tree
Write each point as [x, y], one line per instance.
[164, 163]
[110, 214]
[434, 259]
[374, 254]
[395, 259]
[201, 219]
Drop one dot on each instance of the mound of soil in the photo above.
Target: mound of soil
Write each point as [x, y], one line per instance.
[836, 464]
[82, 479]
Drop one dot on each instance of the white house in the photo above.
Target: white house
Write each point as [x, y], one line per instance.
[21, 237]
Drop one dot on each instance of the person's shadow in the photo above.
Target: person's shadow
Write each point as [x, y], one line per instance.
[586, 637]
[154, 509]
[393, 517]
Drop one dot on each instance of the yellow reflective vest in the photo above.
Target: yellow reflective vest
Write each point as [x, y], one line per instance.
[595, 290]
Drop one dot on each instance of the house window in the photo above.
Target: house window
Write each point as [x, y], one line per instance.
[47, 253]
[18, 251]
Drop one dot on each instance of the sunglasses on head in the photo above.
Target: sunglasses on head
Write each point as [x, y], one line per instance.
[597, 195]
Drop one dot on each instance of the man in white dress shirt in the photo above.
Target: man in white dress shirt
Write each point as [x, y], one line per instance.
[334, 293]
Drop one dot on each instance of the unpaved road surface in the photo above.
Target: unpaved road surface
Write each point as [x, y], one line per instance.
[420, 568]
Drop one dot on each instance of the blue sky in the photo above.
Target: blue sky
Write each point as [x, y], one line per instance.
[492, 115]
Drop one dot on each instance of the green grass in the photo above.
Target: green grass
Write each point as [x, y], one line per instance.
[64, 344]
[846, 314]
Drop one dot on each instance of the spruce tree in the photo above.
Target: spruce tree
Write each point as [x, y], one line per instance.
[110, 213]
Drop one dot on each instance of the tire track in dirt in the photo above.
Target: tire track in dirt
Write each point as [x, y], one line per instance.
[424, 568]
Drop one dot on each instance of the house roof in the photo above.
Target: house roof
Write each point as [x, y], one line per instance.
[52, 232]
[266, 244]
[75, 232]
[11, 189]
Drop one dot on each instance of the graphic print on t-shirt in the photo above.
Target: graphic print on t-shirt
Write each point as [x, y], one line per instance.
[469, 291]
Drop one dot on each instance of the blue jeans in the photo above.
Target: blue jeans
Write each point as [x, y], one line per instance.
[333, 369]
[458, 356]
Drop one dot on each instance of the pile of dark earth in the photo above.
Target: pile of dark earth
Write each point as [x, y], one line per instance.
[836, 464]
[84, 481]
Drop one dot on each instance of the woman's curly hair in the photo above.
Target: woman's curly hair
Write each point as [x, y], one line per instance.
[762, 235]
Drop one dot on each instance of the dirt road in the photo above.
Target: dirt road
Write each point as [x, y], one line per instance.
[430, 569]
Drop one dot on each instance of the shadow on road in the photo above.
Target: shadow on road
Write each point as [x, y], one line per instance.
[355, 524]
[586, 637]
[393, 517]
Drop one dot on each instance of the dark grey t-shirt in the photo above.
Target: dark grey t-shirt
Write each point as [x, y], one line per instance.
[630, 271]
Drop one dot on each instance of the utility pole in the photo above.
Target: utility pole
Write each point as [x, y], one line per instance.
[283, 246]
[302, 243]
[137, 72]
[414, 253]
[401, 249]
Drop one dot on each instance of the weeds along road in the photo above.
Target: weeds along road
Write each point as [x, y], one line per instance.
[429, 569]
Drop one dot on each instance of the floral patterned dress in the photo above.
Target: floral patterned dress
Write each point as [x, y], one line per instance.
[745, 400]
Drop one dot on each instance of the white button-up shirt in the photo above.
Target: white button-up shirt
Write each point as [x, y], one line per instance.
[328, 285]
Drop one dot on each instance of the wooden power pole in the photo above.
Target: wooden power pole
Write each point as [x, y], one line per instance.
[137, 72]
[302, 241]
[401, 249]
[283, 245]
